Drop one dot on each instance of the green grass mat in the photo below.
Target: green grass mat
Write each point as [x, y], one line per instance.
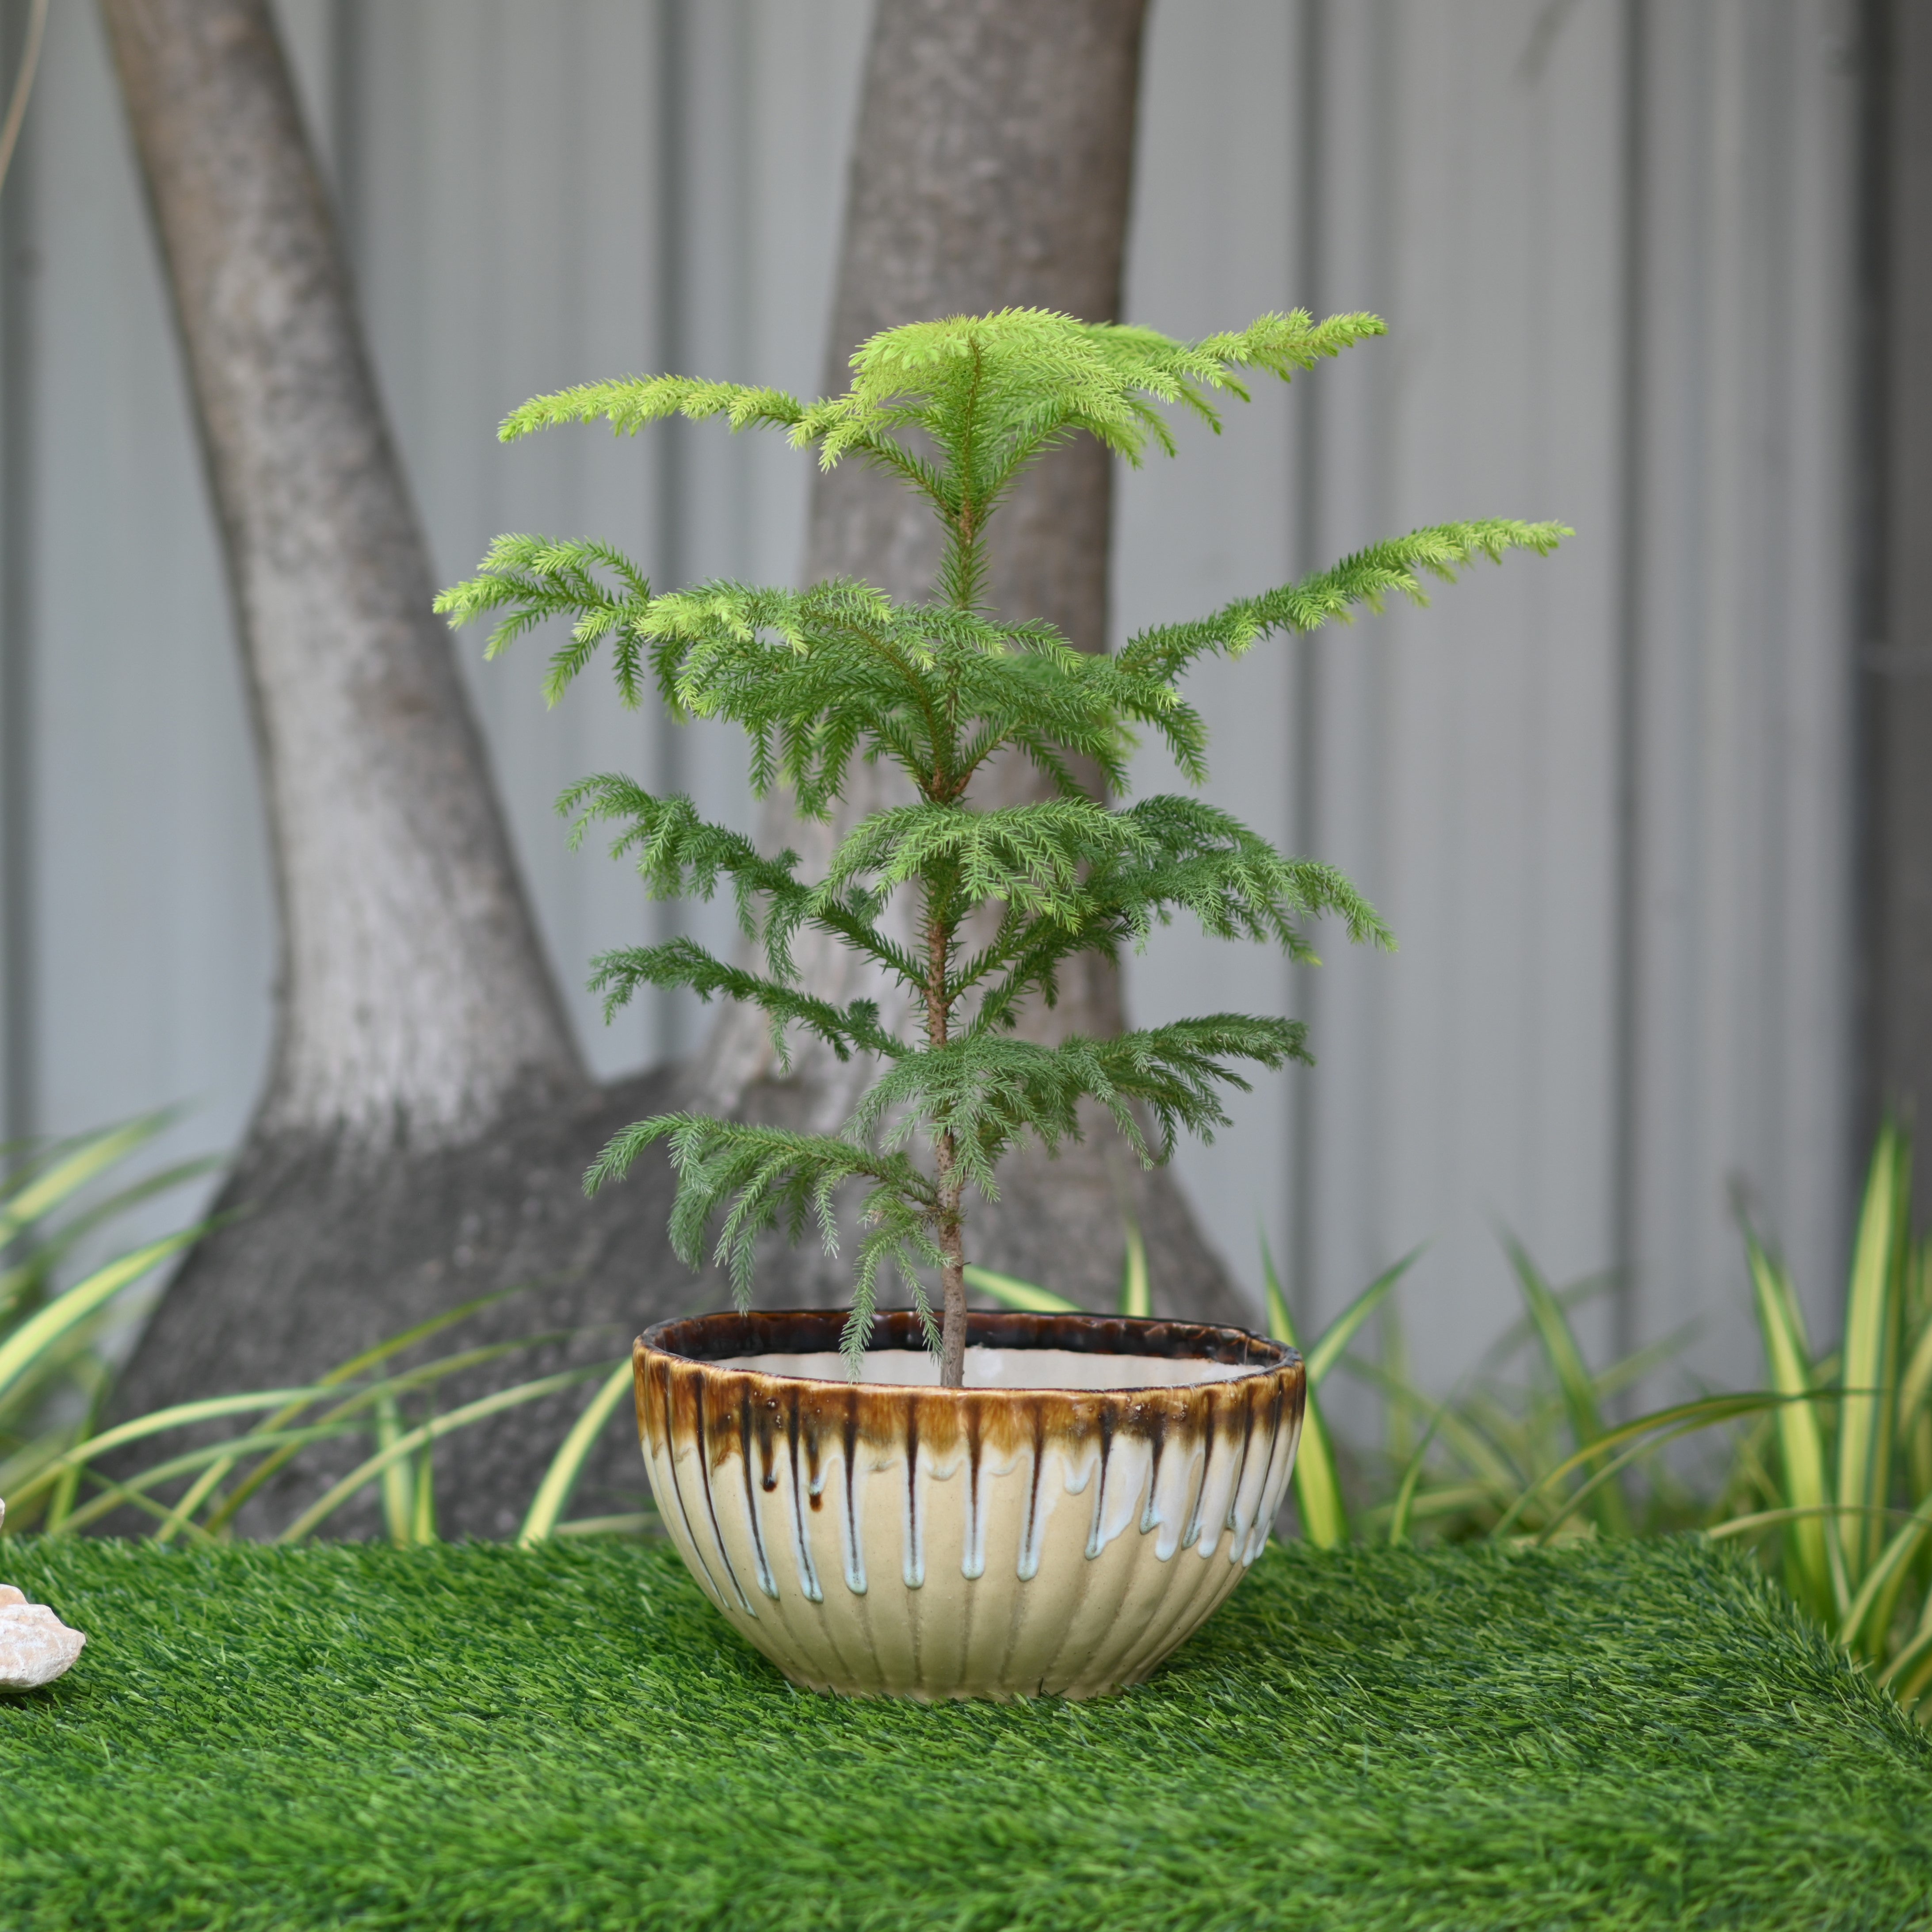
[1607, 1735]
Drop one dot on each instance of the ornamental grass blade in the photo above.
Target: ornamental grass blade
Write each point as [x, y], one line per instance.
[422, 1478]
[1867, 1623]
[1683, 1418]
[346, 1372]
[1401, 1405]
[181, 1415]
[133, 1490]
[1814, 1561]
[425, 1375]
[1317, 1486]
[1340, 1332]
[399, 1499]
[1915, 1387]
[1011, 1292]
[631, 1522]
[1465, 1427]
[553, 1493]
[1403, 1511]
[1136, 1291]
[1573, 1382]
[21, 1350]
[365, 1473]
[22, 1285]
[44, 1190]
[1910, 1672]
[1874, 1299]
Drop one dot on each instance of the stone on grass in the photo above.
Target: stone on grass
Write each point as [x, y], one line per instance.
[35, 1646]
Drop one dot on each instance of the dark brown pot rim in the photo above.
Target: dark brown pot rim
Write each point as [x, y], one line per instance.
[706, 1340]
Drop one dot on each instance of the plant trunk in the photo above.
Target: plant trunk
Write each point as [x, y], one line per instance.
[992, 168]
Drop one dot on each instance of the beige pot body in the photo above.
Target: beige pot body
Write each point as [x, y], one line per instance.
[1008, 1539]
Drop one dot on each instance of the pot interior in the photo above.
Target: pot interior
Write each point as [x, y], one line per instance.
[1000, 1368]
[1004, 1350]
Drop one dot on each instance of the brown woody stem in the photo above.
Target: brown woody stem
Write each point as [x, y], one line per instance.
[945, 1161]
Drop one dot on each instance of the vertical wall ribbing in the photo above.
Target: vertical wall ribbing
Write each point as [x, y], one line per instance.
[1627, 1053]
[348, 37]
[19, 269]
[1305, 798]
[671, 275]
[1870, 561]
[1895, 706]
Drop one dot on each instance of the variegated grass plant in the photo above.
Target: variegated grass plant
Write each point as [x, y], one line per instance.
[1828, 1469]
[58, 1197]
[55, 1455]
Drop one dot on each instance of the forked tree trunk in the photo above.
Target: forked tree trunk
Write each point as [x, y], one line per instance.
[426, 1120]
[992, 169]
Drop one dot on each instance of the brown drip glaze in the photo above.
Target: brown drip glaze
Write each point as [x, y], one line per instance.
[814, 1487]
[690, 1354]
[1157, 1441]
[765, 1424]
[909, 1613]
[705, 1462]
[911, 1440]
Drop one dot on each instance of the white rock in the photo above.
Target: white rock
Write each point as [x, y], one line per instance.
[35, 1646]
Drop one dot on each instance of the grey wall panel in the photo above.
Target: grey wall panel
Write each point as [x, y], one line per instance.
[518, 226]
[1743, 914]
[535, 195]
[150, 912]
[1460, 755]
[1471, 166]
[1214, 245]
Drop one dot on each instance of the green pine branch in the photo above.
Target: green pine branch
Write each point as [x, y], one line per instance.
[680, 855]
[630, 403]
[819, 678]
[751, 1179]
[1393, 568]
[535, 579]
[988, 1090]
[847, 1030]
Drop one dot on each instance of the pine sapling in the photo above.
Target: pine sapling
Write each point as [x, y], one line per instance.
[973, 911]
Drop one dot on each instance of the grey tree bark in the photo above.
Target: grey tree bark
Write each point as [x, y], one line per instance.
[427, 1117]
[414, 998]
[992, 168]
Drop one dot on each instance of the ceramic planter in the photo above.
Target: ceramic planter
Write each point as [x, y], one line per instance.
[1058, 1525]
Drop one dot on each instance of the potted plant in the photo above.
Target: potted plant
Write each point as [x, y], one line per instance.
[965, 1503]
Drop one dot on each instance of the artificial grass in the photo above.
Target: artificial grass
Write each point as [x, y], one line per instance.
[1607, 1735]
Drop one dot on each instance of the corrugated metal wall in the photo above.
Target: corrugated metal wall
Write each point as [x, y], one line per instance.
[1603, 798]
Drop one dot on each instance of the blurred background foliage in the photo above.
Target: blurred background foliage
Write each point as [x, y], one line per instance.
[1825, 1470]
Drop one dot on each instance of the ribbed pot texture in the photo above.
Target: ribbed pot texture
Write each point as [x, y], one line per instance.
[1056, 1526]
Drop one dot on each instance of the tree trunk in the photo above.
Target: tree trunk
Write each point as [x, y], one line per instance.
[414, 1001]
[992, 169]
[420, 1044]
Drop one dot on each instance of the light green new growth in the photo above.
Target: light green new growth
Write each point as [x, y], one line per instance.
[956, 409]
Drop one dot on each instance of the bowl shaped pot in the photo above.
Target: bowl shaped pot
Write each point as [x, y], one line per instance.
[1058, 1525]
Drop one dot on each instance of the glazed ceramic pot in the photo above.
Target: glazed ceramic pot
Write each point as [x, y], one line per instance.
[1058, 1525]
